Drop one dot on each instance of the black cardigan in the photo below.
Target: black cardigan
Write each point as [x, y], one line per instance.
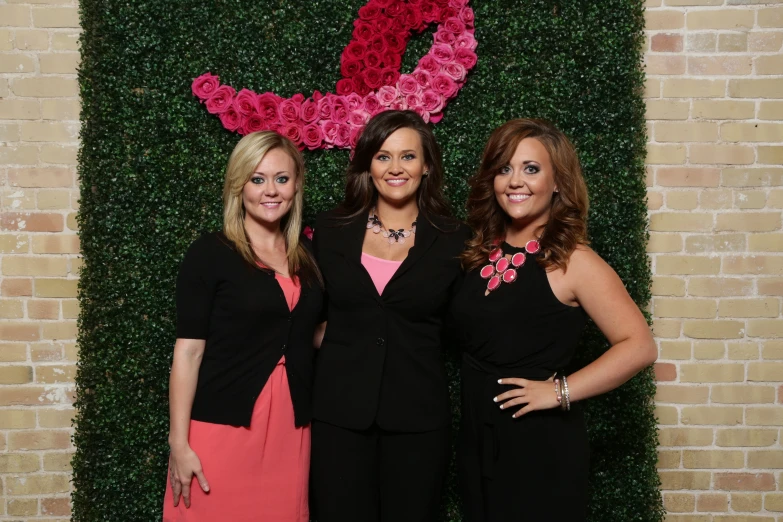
[381, 358]
[241, 312]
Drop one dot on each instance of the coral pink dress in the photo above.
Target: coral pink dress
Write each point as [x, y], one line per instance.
[256, 474]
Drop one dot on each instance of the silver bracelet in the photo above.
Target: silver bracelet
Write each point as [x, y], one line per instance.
[566, 396]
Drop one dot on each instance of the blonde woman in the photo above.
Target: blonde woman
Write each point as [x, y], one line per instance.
[248, 300]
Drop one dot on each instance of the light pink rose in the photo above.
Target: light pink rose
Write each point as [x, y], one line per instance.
[413, 101]
[221, 99]
[387, 94]
[422, 112]
[458, 4]
[246, 102]
[442, 53]
[358, 118]
[455, 71]
[435, 118]
[432, 101]
[422, 77]
[373, 78]
[466, 41]
[373, 59]
[430, 64]
[454, 25]
[371, 104]
[444, 85]
[389, 76]
[443, 36]
[231, 119]
[344, 86]
[253, 123]
[355, 101]
[308, 232]
[309, 111]
[293, 132]
[329, 129]
[325, 106]
[467, 16]
[356, 133]
[407, 84]
[289, 110]
[268, 104]
[350, 68]
[466, 58]
[363, 31]
[392, 60]
[398, 105]
[340, 109]
[312, 136]
[203, 86]
[343, 137]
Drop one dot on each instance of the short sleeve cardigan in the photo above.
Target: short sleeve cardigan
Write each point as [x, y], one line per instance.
[241, 312]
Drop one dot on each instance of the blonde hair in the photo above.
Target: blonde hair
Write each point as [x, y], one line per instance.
[243, 161]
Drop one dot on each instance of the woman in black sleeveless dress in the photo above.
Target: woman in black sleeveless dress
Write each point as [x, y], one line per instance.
[530, 287]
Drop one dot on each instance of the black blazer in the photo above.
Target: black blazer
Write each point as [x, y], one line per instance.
[242, 313]
[381, 358]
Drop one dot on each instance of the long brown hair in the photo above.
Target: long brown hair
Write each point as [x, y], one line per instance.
[360, 192]
[567, 224]
[243, 161]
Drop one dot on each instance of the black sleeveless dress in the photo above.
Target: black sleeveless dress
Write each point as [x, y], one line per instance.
[533, 468]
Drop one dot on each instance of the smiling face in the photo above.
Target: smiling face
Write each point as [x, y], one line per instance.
[269, 194]
[397, 168]
[525, 186]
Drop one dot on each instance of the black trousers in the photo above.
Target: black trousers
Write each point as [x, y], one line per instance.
[377, 475]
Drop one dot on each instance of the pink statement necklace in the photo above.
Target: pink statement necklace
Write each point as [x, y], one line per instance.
[501, 269]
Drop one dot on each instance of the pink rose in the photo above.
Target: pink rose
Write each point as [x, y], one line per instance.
[408, 84]
[359, 85]
[356, 133]
[421, 112]
[253, 123]
[413, 101]
[309, 111]
[329, 129]
[448, 12]
[221, 99]
[378, 44]
[289, 111]
[369, 12]
[312, 136]
[445, 37]
[429, 64]
[387, 94]
[267, 107]
[467, 16]
[355, 51]
[363, 32]
[358, 118]
[371, 104]
[398, 105]
[395, 9]
[389, 76]
[308, 233]
[442, 53]
[455, 71]
[373, 78]
[340, 109]
[343, 136]
[293, 132]
[465, 57]
[466, 41]
[355, 101]
[392, 60]
[454, 25]
[394, 42]
[298, 98]
[444, 85]
[432, 101]
[382, 24]
[458, 4]
[246, 102]
[373, 58]
[350, 68]
[325, 104]
[422, 77]
[435, 118]
[231, 119]
[344, 86]
[317, 95]
[203, 86]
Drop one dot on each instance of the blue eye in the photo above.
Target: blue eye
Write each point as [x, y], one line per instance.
[409, 157]
[532, 169]
[257, 180]
[382, 157]
[282, 179]
[505, 170]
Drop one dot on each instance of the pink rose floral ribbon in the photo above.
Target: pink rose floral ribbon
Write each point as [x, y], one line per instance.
[371, 83]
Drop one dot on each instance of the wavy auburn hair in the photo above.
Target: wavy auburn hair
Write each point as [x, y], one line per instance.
[243, 161]
[567, 224]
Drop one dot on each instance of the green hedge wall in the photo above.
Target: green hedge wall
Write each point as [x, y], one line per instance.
[151, 169]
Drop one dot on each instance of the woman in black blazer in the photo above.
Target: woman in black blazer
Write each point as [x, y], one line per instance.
[389, 258]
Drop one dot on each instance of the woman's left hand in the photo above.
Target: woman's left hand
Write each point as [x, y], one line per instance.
[537, 395]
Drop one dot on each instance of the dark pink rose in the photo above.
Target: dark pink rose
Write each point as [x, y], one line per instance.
[467, 16]
[363, 32]
[430, 12]
[429, 64]
[355, 51]
[378, 44]
[441, 3]
[298, 98]
[309, 111]
[435, 118]
[221, 99]
[389, 76]
[448, 12]
[394, 42]
[458, 4]
[231, 119]
[432, 101]
[455, 71]
[308, 233]
[395, 9]
[369, 12]
[373, 78]
[359, 85]
[325, 105]
[293, 132]
[312, 136]
[466, 41]
[344, 86]
[465, 57]
[289, 111]
[413, 101]
[454, 25]
[267, 107]
[358, 118]
[329, 129]
[444, 85]
[355, 101]
[343, 136]
[246, 102]
[421, 112]
[398, 27]
[413, 18]
[382, 24]
[398, 105]
[317, 95]
[422, 77]
[356, 133]
[373, 58]
[383, 3]
[350, 68]
[415, 3]
[340, 109]
[387, 94]
[442, 53]
[253, 123]
[205, 85]
[443, 36]
[372, 104]
[392, 60]
[408, 84]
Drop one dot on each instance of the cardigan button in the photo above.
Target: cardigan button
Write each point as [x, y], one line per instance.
[380, 341]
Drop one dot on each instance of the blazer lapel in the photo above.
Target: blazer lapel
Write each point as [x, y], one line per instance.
[353, 235]
[426, 234]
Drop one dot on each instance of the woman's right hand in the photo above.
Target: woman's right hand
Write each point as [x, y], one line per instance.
[183, 464]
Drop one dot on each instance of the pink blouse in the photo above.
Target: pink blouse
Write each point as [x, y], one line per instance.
[381, 270]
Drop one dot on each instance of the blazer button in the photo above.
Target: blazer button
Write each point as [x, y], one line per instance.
[380, 341]
[283, 347]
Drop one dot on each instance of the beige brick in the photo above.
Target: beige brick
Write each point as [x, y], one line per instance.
[696, 308]
[59, 244]
[753, 132]
[58, 507]
[654, 200]
[9, 132]
[679, 502]
[733, 42]
[14, 16]
[712, 373]
[55, 287]
[670, 286]
[746, 437]
[720, 65]
[678, 394]
[742, 394]
[65, 41]
[16, 63]
[45, 87]
[14, 244]
[70, 221]
[663, 19]
[19, 463]
[59, 109]
[765, 41]
[763, 307]
[756, 88]
[721, 154]
[23, 507]
[701, 42]
[772, 350]
[687, 177]
[745, 481]
[17, 199]
[667, 110]
[55, 374]
[720, 19]
[688, 518]
[765, 459]
[696, 88]
[668, 459]
[41, 177]
[19, 110]
[60, 154]
[664, 371]
[652, 88]
[715, 243]
[673, 480]
[47, 351]
[723, 109]
[709, 350]
[56, 17]
[771, 17]
[57, 461]
[59, 63]
[31, 222]
[688, 265]
[665, 154]
[744, 502]
[765, 328]
[713, 329]
[48, 131]
[71, 351]
[771, 110]
[750, 199]
[19, 332]
[770, 155]
[19, 154]
[56, 418]
[723, 415]
[683, 132]
[39, 440]
[17, 419]
[719, 287]
[768, 65]
[6, 40]
[682, 221]
[773, 502]
[31, 40]
[43, 309]
[70, 308]
[666, 415]
[664, 64]
[712, 459]
[743, 351]
[38, 484]
[766, 242]
[59, 330]
[16, 287]
[765, 372]
[716, 199]
[757, 264]
[712, 502]
[16, 374]
[11, 309]
[54, 199]
[38, 265]
[677, 350]
[764, 416]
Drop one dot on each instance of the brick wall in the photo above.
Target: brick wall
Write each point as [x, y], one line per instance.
[715, 111]
[715, 125]
[39, 126]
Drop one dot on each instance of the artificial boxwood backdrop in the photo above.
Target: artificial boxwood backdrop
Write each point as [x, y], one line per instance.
[151, 170]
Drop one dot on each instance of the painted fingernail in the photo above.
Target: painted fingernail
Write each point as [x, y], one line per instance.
[495, 399]
[501, 406]
[500, 381]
